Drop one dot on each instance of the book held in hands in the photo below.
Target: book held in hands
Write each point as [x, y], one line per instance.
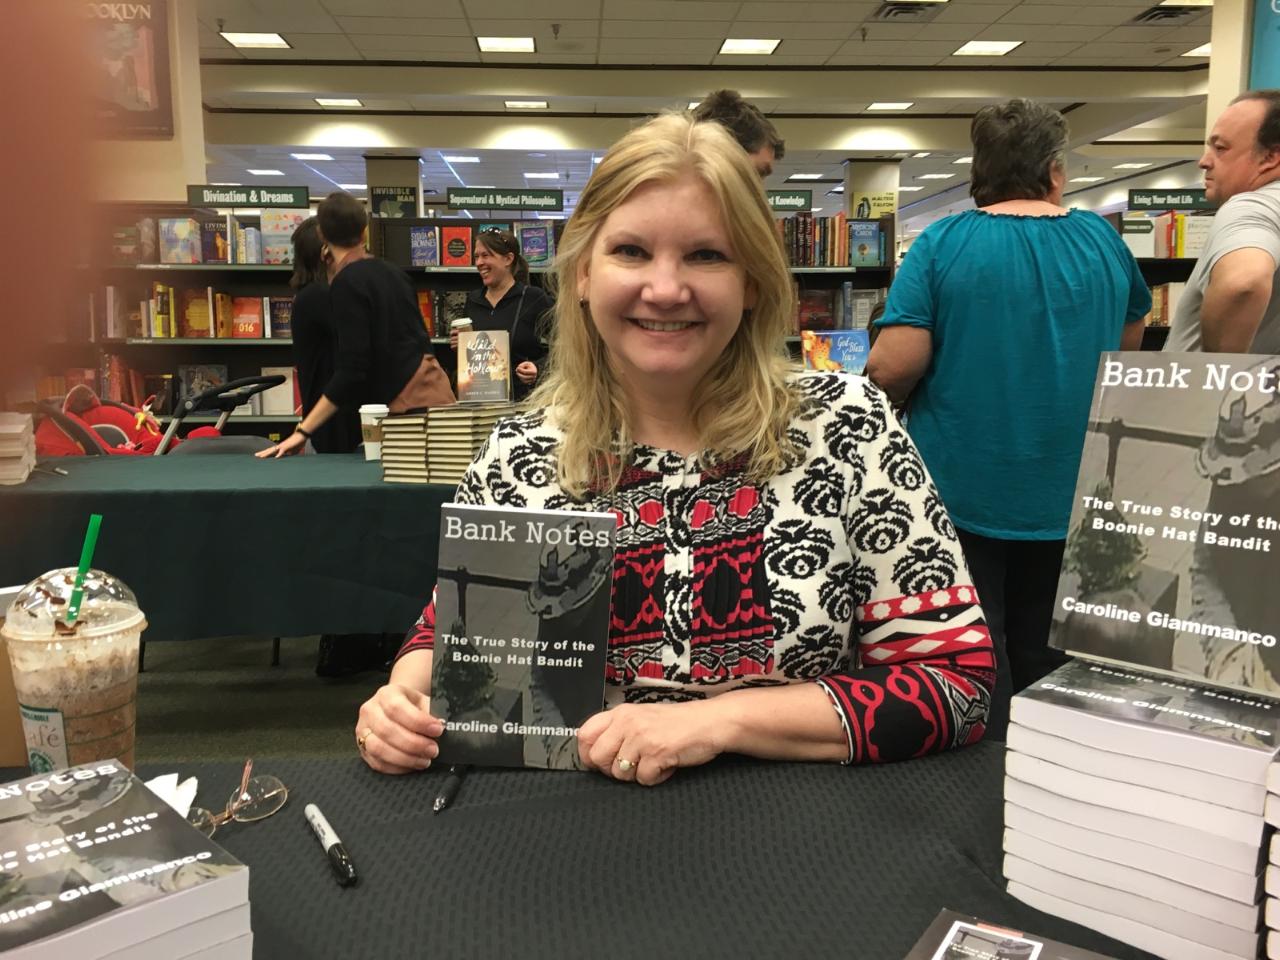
[522, 625]
[484, 366]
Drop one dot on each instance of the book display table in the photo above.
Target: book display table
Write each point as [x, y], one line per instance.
[735, 859]
[231, 545]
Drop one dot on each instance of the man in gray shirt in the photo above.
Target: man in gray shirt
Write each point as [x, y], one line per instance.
[1232, 300]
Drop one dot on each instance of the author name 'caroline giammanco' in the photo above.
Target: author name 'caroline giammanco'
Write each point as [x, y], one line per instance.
[1156, 618]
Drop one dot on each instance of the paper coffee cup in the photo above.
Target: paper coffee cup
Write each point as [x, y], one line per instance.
[462, 323]
[371, 415]
[77, 686]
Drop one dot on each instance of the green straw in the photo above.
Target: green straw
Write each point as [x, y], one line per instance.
[86, 559]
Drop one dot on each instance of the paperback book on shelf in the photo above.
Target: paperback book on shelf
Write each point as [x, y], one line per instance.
[97, 867]
[424, 246]
[484, 366]
[866, 243]
[455, 246]
[835, 350]
[955, 936]
[277, 234]
[522, 624]
[180, 240]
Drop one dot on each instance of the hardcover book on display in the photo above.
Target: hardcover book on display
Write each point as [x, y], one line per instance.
[522, 624]
[1171, 556]
[484, 366]
[455, 246]
[535, 242]
[865, 244]
[424, 246]
[843, 351]
[98, 866]
[180, 240]
[277, 234]
[955, 936]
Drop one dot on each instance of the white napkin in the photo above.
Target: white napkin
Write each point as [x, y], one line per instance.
[177, 795]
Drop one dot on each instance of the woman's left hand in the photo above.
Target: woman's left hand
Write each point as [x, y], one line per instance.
[654, 739]
[294, 443]
[526, 371]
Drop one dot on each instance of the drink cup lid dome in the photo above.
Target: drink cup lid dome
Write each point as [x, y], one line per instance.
[39, 612]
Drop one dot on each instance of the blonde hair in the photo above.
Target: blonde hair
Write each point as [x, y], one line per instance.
[743, 404]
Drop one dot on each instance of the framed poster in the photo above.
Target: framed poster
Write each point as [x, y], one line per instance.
[129, 51]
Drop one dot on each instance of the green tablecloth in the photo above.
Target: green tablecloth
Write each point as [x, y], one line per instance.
[226, 545]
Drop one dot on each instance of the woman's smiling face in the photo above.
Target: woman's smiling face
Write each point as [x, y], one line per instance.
[664, 288]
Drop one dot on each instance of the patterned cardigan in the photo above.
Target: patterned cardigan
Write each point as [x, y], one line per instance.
[842, 570]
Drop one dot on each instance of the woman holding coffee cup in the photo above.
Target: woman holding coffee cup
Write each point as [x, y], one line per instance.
[507, 301]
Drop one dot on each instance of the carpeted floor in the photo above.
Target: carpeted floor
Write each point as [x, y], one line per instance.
[222, 700]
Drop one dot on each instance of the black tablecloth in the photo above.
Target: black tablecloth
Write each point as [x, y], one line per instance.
[736, 859]
[225, 545]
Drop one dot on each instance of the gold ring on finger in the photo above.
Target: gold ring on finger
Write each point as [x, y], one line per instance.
[624, 765]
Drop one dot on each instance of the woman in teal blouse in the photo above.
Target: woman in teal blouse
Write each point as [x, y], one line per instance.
[993, 330]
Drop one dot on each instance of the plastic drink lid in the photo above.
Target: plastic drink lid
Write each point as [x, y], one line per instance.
[461, 322]
[375, 408]
[39, 611]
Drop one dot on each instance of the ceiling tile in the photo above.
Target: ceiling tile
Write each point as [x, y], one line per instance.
[444, 56]
[862, 60]
[540, 30]
[1053, 32]
[1146, 34]
[661, 29]
[887, 31]
[652, 58]
[698, 51]
[391, 8]
[782, 59]
[661, 10]
[972, 12]
[802, 48]
[907, 48]
[280, 16]
[791, 31]
[957, 33]
[328, 46]
[377, 42]
[406, 26]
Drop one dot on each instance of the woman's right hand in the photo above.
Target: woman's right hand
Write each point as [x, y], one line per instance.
[396, 732]
[453, 338]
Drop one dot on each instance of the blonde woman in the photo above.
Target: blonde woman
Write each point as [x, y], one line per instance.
[781, 549]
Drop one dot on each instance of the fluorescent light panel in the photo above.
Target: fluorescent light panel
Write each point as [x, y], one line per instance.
[694, 104]
[311, 156]
[909, 189]
[353, 186]
[1131, 166]
[526, 104]
[461, 159]
[505, 44]
[1200, 51]
[745, 47]
[935, 176]
[338, 102]
[921, 155]
[963, 160]
[256, 41]
[891, 105]
[542, 176]
[267, 173]
[805, 176]
[987, 48]
[1084, 179]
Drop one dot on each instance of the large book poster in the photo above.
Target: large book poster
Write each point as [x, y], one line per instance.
[1174, 544]
[129, 49]
[522, 625]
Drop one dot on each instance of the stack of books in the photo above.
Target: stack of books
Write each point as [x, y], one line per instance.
[1134, 805]
[1272, 885]
[455, 435]
[404, 448]
[100, 868]
[17, 448]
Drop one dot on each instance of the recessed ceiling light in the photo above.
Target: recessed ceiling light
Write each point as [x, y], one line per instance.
[694, 104]
[338, 102]
[596, 159]
[815, 210]
[891, 105]
[1200, 51]
[481, 186]
[267, 173]
[461, 159]
[526, 104]
[311, 156]
[963, 160]
[1131, 166]
[549, 216]
[749, 47]
[256, 41]
[353, 186]
[805, 176]
[224, 183]
[935, 176]
[1084, 179]
[542, 176]
[921, 156]
[987, 48]
[909, 189]
[505, 44]
[540, 156]
[839, 189]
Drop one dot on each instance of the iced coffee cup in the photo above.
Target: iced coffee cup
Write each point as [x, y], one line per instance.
[77, 686]
[371, 415]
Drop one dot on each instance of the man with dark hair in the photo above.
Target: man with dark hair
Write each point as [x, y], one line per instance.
[342, 220]
[1232, 300]
[749, 127]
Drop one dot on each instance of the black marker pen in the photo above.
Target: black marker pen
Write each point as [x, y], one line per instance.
[343, 869]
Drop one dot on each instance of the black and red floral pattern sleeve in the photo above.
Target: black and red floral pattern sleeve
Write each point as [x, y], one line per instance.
[485, 482]
[923, 667]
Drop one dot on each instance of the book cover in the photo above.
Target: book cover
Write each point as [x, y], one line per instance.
[815, 310]
[484, 366]
[179, 240]
[455, 246]
[281, 316]
[835, 350]
[277, 228]
[522, 622]
[424, 246]
[956, 936]
[96, 863]
[195, 378]
[535, 243]
[279, 401]
[126, 245]
[246, 317]
[213, 240]
[1169, 565]
[426, 306]
[195, 319]
[1139, 235]
[455, 306]
[864, 243]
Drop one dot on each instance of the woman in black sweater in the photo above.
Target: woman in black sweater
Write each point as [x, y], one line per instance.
[384, 354]
[508, 302]
[315, 340]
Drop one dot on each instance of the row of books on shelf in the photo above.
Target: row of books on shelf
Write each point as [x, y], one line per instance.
[187, 312]
[1165, 236]
[453, 244]
[207, 237]
[833, 241]
[1164, 301]
[841, 308]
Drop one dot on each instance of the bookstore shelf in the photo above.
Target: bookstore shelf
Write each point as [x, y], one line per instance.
[201, 342]
[880, 269]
